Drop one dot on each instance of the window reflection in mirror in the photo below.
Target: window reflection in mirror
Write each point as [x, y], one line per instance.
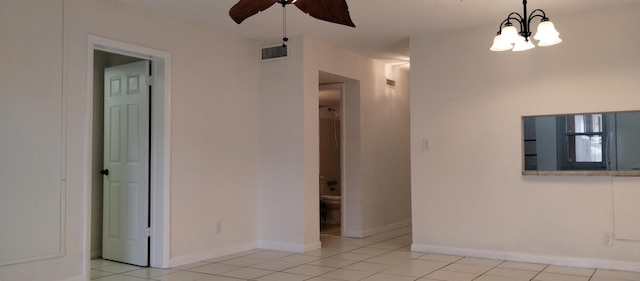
[583, 135]
[582, 142]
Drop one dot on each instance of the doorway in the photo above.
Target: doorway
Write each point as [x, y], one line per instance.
[349, 179]
[103, 53]
[330, 154]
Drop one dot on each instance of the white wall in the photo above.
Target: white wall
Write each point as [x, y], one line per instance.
[32, 175]
[214, 121]
[378, 195]
[469, 196]
[282, 186]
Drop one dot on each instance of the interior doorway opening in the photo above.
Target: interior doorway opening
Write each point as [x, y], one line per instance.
[330, 143]
[103, 51]
[102, 60]
[343, 103]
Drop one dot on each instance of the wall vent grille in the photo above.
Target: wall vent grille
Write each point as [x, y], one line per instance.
[274, 52]
[391, 83]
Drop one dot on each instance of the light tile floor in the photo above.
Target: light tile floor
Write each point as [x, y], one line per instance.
[383, 257]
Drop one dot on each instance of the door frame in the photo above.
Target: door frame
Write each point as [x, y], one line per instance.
[160, 141]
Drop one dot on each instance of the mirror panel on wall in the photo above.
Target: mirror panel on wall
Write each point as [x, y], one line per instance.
[582, 144]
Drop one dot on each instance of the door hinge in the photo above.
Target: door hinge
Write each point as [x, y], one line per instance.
[147, 232]
[149, 80]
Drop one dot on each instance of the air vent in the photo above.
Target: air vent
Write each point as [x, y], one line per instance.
[391, 83]
[274, 52]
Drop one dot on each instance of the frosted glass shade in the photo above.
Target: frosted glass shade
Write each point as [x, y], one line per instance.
[523, 44]
[509, 34]
[499, 44]
[547, 34]
[549, 42]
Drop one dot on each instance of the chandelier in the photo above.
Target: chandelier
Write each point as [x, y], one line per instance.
[508, 37]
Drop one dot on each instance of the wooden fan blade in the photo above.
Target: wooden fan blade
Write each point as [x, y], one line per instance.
[246, 8]
[335, 11]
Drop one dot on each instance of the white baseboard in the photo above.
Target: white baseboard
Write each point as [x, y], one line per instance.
[289, 247]
[530, 258]
[212, 254]
[268, 245]
[352, 234]
[77, 278]
[386, 228]
[377, 230]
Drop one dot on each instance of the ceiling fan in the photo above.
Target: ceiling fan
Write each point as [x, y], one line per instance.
[335, 11]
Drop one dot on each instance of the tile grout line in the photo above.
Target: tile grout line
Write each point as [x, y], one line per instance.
[495, 266]
[539, 272]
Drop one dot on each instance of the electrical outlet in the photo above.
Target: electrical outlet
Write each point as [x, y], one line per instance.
[425, 144]
[218, 227]
[607, 239]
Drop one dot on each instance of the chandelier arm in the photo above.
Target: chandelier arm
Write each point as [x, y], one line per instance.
[541, 14]
[519, 19]
[532, 16]
[502, 24]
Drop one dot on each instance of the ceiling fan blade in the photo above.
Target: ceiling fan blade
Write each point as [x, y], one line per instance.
[246, 8]
[335, 11]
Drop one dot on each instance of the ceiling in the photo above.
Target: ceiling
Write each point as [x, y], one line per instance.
[382, 28]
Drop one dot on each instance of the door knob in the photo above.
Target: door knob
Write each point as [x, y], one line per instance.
[105, 172]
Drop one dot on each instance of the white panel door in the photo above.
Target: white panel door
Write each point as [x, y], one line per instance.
[126, 164]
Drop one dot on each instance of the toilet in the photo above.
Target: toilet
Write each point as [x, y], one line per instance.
[330, 205]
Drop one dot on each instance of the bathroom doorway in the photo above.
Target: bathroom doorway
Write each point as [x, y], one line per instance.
[330, 152]
[341, 94]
